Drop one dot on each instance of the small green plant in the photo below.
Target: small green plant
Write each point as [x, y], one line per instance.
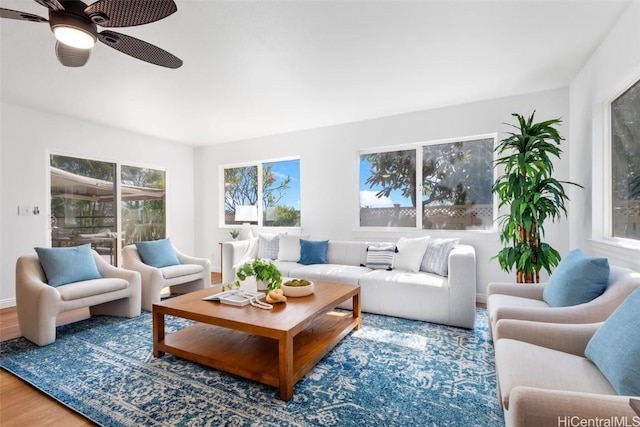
[231, 286]
[262, 270]
[234, 234]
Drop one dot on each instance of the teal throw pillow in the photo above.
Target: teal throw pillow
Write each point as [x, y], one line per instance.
[576, 280]
[67, 265]
[615, 347]
[313, 251]
[157, 253]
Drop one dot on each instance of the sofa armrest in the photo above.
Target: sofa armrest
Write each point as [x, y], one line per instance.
[462, 286]
[234, 254]
[33, 293]
[188, 259]
[565, 337]
[523, 290]
[533, 407]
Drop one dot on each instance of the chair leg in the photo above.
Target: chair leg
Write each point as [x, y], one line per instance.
[39, 328]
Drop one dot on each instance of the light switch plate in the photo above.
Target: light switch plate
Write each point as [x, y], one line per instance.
[24, 210]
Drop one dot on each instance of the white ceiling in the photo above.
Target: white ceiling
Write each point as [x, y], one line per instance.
[256, 68]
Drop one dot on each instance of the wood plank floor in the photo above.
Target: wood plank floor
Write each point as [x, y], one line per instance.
[24, 405]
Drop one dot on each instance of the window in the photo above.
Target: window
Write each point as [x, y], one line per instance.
[276, 193]
[143, 204]
[452, 189]
[625, 164]
[84, 196]
[388, 189]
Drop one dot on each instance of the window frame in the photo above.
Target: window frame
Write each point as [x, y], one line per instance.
[259, 164]
[418, 147]
[606, 233]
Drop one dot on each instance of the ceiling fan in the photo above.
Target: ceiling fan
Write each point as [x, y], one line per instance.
[74, 25]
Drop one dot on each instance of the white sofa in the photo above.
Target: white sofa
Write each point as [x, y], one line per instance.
[420, 296]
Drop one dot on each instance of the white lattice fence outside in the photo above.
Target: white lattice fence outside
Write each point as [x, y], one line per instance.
[456, 217]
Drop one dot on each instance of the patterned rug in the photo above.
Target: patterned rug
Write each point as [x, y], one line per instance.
[392, 372]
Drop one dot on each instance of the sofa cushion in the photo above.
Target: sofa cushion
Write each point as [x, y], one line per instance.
[520, 363]
[289, 247]
[89, 288]
[615, 347]
[268, 244]
[380, 257]
[410, 253]
[347, 252]
[347, 274]
[313, 252]
[576, 280]
[157, 253]
[436, 256]
[68, 265]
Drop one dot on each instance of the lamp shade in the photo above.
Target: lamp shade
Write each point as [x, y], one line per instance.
[246, 213]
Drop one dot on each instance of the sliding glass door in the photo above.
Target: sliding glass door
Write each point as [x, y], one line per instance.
[85, 194]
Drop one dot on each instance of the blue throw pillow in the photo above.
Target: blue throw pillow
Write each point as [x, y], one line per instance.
[615, 347]
[157, 253]
[68, 265]
[576, 280]
[313, 252]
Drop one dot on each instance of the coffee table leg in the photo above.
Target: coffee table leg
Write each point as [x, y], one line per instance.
[285, 361]
[357, 310]
[158, 333]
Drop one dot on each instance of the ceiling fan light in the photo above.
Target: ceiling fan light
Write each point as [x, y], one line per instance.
[74, 37]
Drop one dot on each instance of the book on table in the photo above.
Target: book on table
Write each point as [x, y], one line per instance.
[237, 297]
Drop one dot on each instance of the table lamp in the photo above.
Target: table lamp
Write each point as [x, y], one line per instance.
[246, 214]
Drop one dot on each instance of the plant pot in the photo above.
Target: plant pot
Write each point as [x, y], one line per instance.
[262, 285]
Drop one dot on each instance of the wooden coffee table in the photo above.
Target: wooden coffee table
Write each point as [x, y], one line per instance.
[274, 347]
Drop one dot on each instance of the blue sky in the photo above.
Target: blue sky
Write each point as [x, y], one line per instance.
[282, 170]
[367, 194]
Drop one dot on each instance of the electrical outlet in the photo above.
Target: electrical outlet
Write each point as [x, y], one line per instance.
[24, 210]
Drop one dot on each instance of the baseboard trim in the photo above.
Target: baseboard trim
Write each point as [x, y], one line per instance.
[7, 302]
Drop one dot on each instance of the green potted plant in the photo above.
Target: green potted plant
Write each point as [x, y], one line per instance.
[532, 194]
[267, 274]
[234, 234]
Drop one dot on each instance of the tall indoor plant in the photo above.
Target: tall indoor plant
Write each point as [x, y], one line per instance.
[532, 194]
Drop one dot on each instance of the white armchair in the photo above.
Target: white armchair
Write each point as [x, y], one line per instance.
[525, 301]
[38, 304]
[545, 379]
[190, 275]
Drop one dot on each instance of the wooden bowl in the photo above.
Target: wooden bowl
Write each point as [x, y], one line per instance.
[296, 291]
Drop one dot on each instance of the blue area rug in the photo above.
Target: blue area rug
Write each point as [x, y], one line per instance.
[392, 372]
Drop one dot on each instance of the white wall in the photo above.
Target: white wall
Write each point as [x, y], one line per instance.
[28, 136]
[613, 67]
[329, 170]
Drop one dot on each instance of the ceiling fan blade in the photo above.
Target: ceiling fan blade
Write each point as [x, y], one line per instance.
[71, 56]
[139, 49]
[23, 16]
[51, 4]
[128, 13]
